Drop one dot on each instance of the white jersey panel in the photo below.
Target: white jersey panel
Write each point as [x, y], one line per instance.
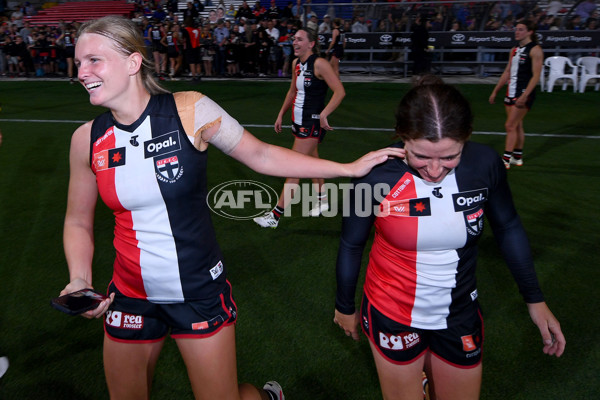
[298, 105]
[436, 265]
[149, 214]
[514, 70]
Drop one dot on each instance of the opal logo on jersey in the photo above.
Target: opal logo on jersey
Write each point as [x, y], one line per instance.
[164, 144]
[241, 199]
[464, 201]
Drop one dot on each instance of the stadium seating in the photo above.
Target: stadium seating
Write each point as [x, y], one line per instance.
[81, 11]
[589, 70]
[560, 68]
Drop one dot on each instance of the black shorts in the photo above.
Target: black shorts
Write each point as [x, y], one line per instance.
[192, 55]
[172, 53]
[158, 46]
[70, 52]
[400, 344]
[309, 131]
[138, 320]
[510, 101]
[338, 52]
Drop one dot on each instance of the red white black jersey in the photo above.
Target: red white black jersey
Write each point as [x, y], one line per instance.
[192, 38]
[172, 45]
[520, 70]
[310, 97]
[156, 34]
[68, 40]
[421, 269]
[154, 179]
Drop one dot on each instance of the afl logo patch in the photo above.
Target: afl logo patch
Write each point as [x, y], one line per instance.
[168, 169]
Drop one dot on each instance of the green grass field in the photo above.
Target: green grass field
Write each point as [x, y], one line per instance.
[284, 279]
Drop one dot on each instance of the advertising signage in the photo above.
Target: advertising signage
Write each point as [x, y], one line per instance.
[467, 39]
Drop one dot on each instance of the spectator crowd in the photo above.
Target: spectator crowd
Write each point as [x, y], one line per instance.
[216, 38]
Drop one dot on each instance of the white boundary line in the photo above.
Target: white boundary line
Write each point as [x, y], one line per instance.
[346, 128]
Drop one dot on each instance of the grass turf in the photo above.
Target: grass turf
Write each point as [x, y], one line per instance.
[284, 279]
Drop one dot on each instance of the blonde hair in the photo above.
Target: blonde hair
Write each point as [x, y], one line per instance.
[127, 39]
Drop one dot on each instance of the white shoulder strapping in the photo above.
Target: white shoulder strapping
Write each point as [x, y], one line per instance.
[206, 114]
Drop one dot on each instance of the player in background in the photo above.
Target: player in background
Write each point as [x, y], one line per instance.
[522, 74]
[312, 75]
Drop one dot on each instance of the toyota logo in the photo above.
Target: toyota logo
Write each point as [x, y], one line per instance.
[458, 37]
[385, 38]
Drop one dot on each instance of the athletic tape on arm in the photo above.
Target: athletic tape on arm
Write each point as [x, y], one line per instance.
[209, 113]
[198, 113]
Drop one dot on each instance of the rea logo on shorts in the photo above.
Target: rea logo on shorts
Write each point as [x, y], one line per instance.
[119, 319]
[403, 341]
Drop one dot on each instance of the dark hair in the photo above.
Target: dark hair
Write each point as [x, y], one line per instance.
[433, 110]
[531, 26]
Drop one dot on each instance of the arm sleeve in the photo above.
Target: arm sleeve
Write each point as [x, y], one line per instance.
[511, 237]
[355, 233]
[198, 113]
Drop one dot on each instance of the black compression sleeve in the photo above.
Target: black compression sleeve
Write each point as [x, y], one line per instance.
[355, 233]
[511, 237]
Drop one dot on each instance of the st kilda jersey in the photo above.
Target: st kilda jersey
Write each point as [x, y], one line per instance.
[520, 71]
[421, 269]
[154, 179]
[310, 97]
